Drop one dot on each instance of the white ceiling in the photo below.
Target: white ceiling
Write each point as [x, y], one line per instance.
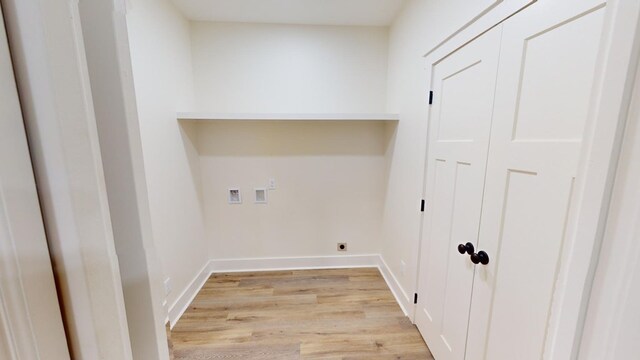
[316, 12]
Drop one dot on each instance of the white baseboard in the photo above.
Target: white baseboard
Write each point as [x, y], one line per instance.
[294, 263]
[291, 263]
[405, 301]
[182, 303]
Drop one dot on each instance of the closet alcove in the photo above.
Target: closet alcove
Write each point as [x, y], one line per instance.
[330, 173]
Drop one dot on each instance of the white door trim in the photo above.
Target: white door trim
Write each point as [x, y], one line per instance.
[494, 14]
[480, 24]
[603, 138]
[611, 98]
[51, 71]
[30, 318]
[106, 45]
[611, 329]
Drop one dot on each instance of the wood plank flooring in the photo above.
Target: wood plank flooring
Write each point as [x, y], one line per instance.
[306, 314]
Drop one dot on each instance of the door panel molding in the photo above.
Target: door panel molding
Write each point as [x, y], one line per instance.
[18, 335]
[589, 183]
[610, 101]
[55, 93]
[524, 222]
[30, 321]
[465, 84]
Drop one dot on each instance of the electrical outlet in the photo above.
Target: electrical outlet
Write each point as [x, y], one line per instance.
[167, 286]
[234, 196]
[403, 267]
[272, 184]
[261, 196]
[342, 246]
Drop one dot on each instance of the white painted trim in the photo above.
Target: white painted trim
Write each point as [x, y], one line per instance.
[490, 17]
[289, 263]
[294, 263]
[108, 58]
[495, 14]
[48, 52]
[182, 302]
[611, 330]
[483, 22]
[203, 116]
[612, 91]
[31, 324]
[403, 299]
[603, 138]
[464, 26]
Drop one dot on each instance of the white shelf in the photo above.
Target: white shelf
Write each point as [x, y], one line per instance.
[204, 116]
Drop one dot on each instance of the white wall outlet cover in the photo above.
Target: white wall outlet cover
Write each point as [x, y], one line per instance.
[234, 196]
[260, 195]
[272, 184]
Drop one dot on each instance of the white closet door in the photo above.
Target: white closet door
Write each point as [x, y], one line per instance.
[463, 84]
[30, 320]
[547, 65]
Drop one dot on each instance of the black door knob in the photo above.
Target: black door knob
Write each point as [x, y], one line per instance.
[480, 258]
[466, 248]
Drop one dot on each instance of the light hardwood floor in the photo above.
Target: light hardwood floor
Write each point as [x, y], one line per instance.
[306, 314]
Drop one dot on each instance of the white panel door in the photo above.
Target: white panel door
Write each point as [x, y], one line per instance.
[30, 321]
[546, 73]
[460, 124]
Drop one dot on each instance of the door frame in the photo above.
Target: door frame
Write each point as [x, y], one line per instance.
[615, 292]
[31, 325]
[611, 96]
[51, 72]
[74, 76]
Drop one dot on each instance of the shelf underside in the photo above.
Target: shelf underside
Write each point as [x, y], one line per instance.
[201, 116]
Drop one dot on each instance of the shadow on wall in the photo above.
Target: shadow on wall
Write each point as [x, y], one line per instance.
[189, 135]
[290, 138]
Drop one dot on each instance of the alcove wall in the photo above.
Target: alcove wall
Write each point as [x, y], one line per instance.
[330, 180]
[331, 175]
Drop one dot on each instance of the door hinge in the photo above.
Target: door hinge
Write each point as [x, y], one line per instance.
[430, 97]
[415, 298]
[422, 205]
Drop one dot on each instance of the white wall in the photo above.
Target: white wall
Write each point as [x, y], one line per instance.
[240, 67]
[330, 179]
[227, 67]
[330, 175]
[161, 59]
[420, 25]
[289, 68]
